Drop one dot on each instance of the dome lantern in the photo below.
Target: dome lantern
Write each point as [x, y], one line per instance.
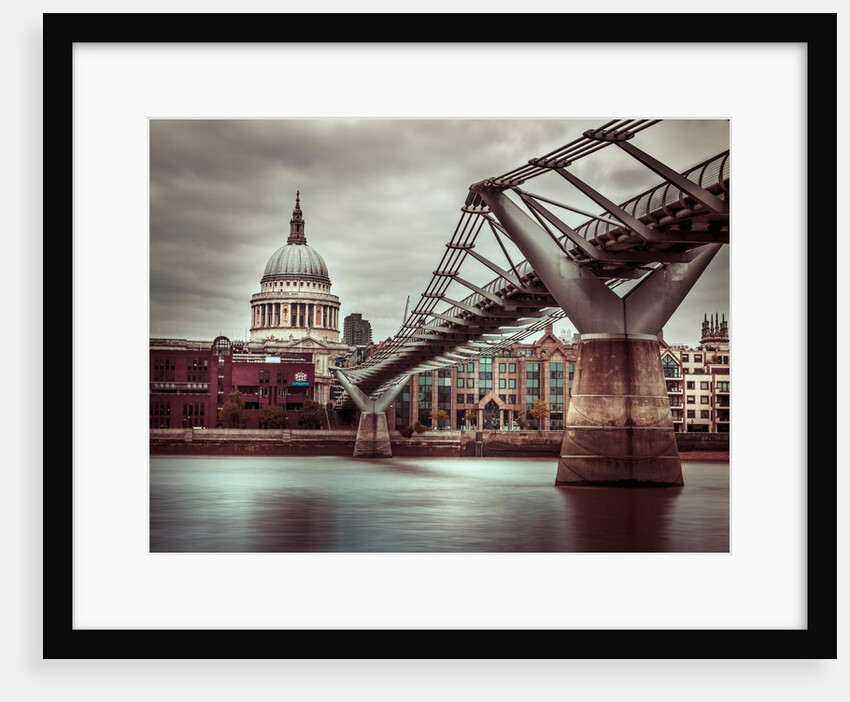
[296, 258]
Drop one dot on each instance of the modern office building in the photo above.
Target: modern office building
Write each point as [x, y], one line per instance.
[500, 392]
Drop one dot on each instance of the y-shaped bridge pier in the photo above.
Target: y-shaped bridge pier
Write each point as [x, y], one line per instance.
[373, 435]
[618, 428]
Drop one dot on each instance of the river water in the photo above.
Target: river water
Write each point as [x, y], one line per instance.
[401, 505]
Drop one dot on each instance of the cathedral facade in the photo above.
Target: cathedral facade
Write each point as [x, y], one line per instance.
[295, 310]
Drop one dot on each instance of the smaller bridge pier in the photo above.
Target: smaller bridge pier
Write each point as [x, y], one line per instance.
[373, 435]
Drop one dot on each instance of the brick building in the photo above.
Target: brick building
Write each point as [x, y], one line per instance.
[190, 381]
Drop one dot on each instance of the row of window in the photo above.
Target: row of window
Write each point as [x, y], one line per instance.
[485, 365]
[278, 285]
[722, 416]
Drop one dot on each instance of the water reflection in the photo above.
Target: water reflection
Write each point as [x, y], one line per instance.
[400, 505]
[605, 519]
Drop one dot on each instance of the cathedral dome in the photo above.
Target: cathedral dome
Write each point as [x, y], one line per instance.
[295, 300]
[297, 260]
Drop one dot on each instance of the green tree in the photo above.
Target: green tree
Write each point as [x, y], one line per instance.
[540, 411]
[310, 415]
[438, 416]
[272, 417]
[233, 412]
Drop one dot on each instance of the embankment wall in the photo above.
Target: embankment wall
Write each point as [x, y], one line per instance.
[276, 442]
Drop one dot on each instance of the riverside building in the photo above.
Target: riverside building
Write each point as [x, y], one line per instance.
[190, 382]
[500, 392]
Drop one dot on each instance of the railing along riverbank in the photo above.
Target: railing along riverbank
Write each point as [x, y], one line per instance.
[484, 444]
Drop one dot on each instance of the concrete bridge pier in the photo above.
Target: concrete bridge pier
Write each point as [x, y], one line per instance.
[619, 427]
[373, 434]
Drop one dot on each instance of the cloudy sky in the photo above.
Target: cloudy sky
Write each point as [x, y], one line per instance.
[380, 200]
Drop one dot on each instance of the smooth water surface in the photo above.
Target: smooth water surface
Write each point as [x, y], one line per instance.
[400, 505]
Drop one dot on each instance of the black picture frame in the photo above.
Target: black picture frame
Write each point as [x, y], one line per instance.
[819, 638]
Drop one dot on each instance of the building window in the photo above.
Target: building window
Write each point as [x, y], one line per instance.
[697, 358]
[502, 367]
[722, 386]
[690, 385]
[460, 399]
[668, 365]
[703, 385]
[512, 383]
[402, 408]
[460, 382]
[512, 368]
[703, 400]
[691, 414]
[691, 400]
[503, 383]
[704, 414]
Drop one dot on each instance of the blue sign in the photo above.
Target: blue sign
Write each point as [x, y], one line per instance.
[301, 384]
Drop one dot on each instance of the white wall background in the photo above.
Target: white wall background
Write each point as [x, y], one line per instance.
[27, 677]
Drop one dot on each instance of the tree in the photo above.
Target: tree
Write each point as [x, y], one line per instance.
[540, 411]
[233, 412]
[272, 417]
[471, 418]
[310, 415]
[438, 416]
[419, 427]
[520, 420]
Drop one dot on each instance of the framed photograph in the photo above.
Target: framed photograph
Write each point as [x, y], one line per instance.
[155, 131]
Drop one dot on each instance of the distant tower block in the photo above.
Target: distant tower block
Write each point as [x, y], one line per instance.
[356, 330]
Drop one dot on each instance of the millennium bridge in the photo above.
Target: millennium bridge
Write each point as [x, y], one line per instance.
[618, 426]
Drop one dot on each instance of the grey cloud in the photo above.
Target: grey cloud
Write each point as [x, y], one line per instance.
[380, 199]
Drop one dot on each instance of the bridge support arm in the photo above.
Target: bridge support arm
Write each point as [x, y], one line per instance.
[619, 426]
[587, 301]
[373, 434]
[649, 306]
